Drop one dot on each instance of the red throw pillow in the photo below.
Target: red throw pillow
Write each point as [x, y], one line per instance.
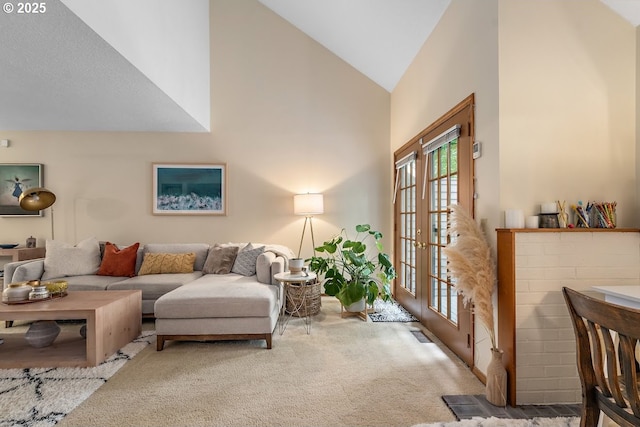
[117, 262]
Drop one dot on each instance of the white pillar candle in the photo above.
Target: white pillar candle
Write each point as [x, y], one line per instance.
[532, 221]
[549, 208]
[514, 218]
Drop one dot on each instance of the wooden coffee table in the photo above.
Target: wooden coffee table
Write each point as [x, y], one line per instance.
[114, 319]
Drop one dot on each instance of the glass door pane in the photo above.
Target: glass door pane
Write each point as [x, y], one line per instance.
[407, 233]
[443, 191]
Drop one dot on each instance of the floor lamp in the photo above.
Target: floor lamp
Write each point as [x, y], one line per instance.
[37, 199]
[308, 205]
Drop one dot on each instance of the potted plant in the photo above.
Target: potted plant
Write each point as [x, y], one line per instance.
[352, 274]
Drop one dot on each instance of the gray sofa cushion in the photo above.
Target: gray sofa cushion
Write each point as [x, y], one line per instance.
[221, 295]
[200, 249]
[90, 282]
[155, 285]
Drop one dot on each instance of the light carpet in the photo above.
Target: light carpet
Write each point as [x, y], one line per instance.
[390, 311]
[40, 397]
[501, 422]
[346, 372]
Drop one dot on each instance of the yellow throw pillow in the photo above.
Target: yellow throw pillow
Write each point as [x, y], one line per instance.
[160, 263]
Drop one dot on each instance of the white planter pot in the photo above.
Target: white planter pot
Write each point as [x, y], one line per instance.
[356, 306]
[296, 264]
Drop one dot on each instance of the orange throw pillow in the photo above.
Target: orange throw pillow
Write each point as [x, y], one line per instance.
[119, 262]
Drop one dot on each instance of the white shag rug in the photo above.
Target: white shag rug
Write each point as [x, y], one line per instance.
[40, 397]
[503, 422]
[390, 311]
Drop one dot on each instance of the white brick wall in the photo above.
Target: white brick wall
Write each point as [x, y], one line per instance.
[545, 262]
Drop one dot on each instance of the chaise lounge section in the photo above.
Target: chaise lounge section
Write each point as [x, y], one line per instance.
[227, 307]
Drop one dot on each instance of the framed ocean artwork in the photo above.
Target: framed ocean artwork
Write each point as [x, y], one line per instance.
[189, 189]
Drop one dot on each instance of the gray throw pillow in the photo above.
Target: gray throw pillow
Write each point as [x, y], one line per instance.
[245, 262]
[220, 260]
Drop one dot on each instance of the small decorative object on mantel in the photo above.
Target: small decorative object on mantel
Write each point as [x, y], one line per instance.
[31, 242]
[595, 215]
[471, 263]
[514, 218]
[603, 215]
[582, 218]
[563, 216]
[549, 220]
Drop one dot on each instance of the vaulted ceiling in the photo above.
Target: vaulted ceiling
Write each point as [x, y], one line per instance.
[59, 73]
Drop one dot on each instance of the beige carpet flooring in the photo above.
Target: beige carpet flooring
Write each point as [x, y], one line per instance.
[347, 372]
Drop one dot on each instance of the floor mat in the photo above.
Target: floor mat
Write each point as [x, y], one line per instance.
[468, 406]
[390, 311]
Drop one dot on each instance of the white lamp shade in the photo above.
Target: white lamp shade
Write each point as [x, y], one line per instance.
[308, 204]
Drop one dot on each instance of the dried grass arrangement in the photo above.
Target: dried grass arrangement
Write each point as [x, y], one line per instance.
[472, 265]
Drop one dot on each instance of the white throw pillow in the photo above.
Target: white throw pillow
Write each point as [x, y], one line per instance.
[62, 259]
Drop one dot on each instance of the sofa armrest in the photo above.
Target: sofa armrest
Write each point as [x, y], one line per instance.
[277, 266]
[269, 264]
[22, 271]
[263, 267]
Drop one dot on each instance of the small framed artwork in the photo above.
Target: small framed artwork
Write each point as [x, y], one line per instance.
[189, 189]
[15, 178]
[549, 220]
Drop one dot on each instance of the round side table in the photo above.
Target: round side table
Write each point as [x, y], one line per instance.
[298, 298]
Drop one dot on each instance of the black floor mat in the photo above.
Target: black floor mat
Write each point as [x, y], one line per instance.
[468, 406]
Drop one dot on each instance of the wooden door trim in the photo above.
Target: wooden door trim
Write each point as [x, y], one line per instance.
[506, 251]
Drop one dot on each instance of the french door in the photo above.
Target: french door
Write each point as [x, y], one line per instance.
[433, 171]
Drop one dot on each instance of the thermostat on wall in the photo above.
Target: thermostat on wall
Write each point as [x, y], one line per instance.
[477, 149]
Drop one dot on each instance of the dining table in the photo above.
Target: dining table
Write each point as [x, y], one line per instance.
[625, 295]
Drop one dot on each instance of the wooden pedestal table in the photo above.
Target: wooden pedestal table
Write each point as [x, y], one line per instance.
[302, 304]
[114, 319]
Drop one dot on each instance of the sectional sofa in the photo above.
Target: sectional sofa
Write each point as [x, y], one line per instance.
[195, 291]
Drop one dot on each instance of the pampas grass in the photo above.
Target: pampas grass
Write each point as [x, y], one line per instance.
[472, 266]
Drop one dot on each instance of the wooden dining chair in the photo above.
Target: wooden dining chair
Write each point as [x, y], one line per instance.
[607, 365]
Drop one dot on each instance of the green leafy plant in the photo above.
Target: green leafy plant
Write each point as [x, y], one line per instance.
[350, 272]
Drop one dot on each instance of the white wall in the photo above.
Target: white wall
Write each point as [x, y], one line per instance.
[287, 116]
[567, 105]
[166, 40]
